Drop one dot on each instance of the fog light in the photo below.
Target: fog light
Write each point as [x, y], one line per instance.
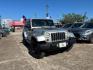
[47, 39]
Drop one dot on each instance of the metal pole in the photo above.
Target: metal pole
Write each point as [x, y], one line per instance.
[47, 14]
[0, 20]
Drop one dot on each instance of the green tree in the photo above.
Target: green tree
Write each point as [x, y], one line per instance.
[72, 17]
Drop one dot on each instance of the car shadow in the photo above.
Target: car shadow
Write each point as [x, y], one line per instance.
[54, 52]
[82, 42]
[47, 53]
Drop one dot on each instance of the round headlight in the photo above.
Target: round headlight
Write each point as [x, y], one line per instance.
[87, 32]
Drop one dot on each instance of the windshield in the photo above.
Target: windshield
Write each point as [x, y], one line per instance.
[87, 25]
[67, 25]
[40, 23]
[76, 25]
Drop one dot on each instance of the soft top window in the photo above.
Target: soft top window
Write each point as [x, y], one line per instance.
[40, 23]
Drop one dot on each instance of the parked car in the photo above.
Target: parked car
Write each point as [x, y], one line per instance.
[68, 25]
[42, 35]
[75, 26]
[58, 25]
[0, 33]
[85, 32]
[4, 31]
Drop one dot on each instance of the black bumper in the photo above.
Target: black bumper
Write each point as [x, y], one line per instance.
[79, 36]
[54, 45]
[84, 37]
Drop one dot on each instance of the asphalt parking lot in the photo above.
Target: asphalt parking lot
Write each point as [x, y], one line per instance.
[14, 56]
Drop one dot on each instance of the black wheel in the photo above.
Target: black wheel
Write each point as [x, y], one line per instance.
[4, 35]
[0, 36]
[69, 47]
[91, 40]
[36, 52]
[70, 44]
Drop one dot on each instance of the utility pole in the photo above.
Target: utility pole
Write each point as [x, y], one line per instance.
[0, 20]
[47, 7]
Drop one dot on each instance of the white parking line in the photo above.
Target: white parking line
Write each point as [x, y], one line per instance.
[11, 60]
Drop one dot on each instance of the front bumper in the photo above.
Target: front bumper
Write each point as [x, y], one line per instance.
[54, 45]
[84, 37]
[80, 36]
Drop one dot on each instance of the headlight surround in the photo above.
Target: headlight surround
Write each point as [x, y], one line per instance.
[87, 32]
[41, 38]
[47, 34]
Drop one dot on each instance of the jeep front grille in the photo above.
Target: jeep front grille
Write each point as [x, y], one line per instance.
[57, 36]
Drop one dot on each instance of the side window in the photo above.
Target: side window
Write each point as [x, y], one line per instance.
[91, 25]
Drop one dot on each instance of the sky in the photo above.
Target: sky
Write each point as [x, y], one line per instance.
[15, 9]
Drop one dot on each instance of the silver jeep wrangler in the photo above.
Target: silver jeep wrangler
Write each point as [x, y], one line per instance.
[42, 36]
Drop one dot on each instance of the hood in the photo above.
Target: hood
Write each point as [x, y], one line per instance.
[41, 31]
[78, 30]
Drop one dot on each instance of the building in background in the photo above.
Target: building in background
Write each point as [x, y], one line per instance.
[6, 23]
[16, 23]
[10, 23]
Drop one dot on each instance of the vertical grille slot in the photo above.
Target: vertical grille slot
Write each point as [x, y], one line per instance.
[57, 36]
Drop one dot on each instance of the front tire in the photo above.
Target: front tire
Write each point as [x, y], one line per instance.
[0, 36]
[91, 40]
[70, 44]
[36, 52]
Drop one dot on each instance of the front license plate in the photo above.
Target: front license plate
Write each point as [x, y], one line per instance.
[62, 44]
